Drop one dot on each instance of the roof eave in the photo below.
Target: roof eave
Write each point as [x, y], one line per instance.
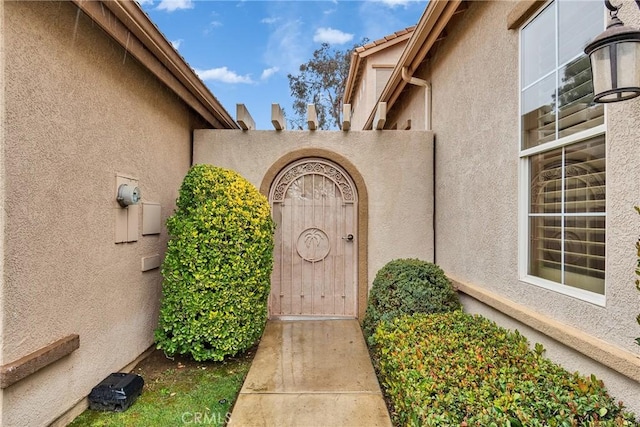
[156, 53]
[352, 77]
[358, 55]
[434, 19]
[386, 43]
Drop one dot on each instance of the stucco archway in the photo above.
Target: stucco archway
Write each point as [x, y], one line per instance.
[362, 210]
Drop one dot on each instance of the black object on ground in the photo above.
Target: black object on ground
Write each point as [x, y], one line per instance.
[116, 392]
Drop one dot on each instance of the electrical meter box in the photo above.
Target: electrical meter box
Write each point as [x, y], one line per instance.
[116, 392]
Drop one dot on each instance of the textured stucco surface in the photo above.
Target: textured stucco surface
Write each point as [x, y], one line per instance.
[395, 167]
[2, 185]
[475, 118]
[78, 110]
[364, 98]
[475, 94]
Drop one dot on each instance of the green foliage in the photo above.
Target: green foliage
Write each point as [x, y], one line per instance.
[321, 82]
[407, 286]
[176, 396]
[637, 208]
[217, 267]
[458, 369]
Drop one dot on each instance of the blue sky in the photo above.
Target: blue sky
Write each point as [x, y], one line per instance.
[243, 50]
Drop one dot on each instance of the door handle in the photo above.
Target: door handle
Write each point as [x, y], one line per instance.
[348, 237]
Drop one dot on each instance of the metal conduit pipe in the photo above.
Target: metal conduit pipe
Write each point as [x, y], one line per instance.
[427, 94]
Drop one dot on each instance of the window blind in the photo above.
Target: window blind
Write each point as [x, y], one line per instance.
[567, 215]
[571, 110]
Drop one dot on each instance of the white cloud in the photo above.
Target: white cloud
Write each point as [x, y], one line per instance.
[287, 47]
[329, 12]
[269, 72]
[171, 5]
[394, 3]
[211, 26]
[223, 75]
[144, 2]
[269, 21]
[369, 16]
[290, 42]
[176, 43]
[331, 36]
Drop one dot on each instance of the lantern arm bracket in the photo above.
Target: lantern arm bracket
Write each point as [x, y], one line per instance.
[614, 9]
[615, 71]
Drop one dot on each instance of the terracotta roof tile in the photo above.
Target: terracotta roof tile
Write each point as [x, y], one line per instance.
[385, 39]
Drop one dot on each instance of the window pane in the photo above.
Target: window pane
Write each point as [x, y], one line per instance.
[545, 257]
[567, 199]
[577, 112]
[538, 113]
[579, 22]
[547, 115]
[538, 47]
[546, 182]
[585, 179]
[575, 82]
[584, 253]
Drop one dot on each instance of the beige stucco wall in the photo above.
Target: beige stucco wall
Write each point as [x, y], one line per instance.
[475, 118]
[365, 93]
[2, 185]
[410, 108]
[474, 76]
[395, 167]
[77, 111]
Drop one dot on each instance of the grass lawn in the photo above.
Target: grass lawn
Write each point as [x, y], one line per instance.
[177, 392]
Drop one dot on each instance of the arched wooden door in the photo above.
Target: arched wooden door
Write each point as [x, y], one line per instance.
[314, 205]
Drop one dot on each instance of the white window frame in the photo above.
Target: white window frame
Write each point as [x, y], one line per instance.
[524, 188]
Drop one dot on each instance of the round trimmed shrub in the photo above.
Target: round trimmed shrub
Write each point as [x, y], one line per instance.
[217, 268]
[407, 286]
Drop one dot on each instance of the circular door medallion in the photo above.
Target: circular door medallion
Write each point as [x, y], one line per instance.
[313, 245]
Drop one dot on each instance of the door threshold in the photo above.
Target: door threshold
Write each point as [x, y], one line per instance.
[307, 317]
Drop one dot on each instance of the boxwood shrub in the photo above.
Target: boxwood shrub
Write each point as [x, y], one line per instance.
[464, 370]
[407, 286]
[217, 267]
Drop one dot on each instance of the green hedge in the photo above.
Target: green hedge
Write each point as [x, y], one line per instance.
[408, 286]
[458, 369]
[217, 267]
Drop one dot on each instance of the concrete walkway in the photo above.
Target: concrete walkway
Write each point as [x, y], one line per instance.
[311, 373]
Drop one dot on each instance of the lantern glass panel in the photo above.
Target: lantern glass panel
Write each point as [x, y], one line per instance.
[616, 71]
[601, 66]
[629, 64]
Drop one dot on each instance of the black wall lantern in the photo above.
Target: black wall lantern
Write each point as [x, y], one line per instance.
[615, 60]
